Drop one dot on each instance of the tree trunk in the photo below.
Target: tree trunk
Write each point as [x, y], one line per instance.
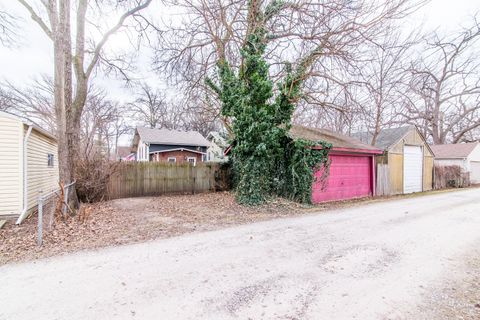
[60, 112]
[74, 116]
[60, 97]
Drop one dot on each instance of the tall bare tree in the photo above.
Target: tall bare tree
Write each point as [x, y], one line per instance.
[445, 81]
[324, 36]
[77, 56]
[380, 81]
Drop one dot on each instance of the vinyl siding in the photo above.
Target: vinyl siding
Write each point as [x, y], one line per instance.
[41, 177]
[11, 185]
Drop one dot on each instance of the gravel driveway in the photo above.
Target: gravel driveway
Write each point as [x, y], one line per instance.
[387, 260]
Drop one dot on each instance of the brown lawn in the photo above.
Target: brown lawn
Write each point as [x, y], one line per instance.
[134, 220]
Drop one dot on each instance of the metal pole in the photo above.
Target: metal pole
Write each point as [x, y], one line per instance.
[65, 199]
[40, 221]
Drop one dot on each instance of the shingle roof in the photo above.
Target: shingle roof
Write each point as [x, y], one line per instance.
[338, 140]
[458, 150]
[386, 138]
[172, 137]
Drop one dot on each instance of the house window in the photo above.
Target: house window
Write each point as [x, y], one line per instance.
[192, 160]
[50, 160]
[172, 159]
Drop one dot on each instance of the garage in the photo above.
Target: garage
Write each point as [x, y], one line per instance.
[412, 169]
[475, 172]
[350, 177]
[465, 155]
[406, 164]
[350, 171]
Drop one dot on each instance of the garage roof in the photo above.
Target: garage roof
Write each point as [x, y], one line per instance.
[386, 137]
[453, 151]
[338, 140]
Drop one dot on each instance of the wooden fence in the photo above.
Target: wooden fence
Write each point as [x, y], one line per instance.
[136, 179]
[383, 180]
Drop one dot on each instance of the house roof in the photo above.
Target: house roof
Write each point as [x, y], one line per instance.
[338, 140]
[458, 150]
[172, 137]
[386, 137]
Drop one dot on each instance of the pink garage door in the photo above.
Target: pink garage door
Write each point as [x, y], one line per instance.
[350, 177]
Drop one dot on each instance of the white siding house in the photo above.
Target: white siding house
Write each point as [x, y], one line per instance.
[28, 165]
[464, 155]
[217, 147]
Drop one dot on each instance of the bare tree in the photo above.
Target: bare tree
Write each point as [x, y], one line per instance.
[381, 81]
[321, 36]
[34, 102]
[102, 125]
[445, 81]
[150, 108]
[77, 57]
[8, 28]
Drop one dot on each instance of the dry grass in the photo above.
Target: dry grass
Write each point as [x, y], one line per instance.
[133, 220]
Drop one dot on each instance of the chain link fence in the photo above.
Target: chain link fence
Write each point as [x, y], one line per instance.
[54, 205]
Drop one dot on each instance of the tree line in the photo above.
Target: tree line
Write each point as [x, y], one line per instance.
[362, 71]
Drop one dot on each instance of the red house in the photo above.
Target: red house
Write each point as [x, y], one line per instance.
[351, 170]
[163, 145]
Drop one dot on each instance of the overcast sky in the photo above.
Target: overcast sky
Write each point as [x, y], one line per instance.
[34, 55]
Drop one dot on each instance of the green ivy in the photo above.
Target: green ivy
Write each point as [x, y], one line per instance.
[303, 161]
[265, 160]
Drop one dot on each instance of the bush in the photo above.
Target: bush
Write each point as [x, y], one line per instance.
[451, 177]
[92, 178]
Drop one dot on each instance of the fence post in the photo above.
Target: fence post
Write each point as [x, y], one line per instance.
[40, 220]
[65, 199]
[193, 175]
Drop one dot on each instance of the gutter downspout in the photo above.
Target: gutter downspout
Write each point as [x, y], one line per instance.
[25, 176]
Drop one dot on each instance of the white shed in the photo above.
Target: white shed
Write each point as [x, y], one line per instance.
[464, 155]
[28, 165]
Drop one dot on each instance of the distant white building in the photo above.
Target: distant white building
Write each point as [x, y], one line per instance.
[216, 149]
[464, 155]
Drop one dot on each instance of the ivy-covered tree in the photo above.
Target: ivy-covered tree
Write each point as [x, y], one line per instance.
[265, 160]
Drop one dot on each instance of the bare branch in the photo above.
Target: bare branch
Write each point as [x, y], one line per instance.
[35, 17]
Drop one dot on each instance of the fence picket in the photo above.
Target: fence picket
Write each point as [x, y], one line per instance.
[136, 179]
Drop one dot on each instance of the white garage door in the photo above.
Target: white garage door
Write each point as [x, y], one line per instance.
[412, 169]
[475, 172]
